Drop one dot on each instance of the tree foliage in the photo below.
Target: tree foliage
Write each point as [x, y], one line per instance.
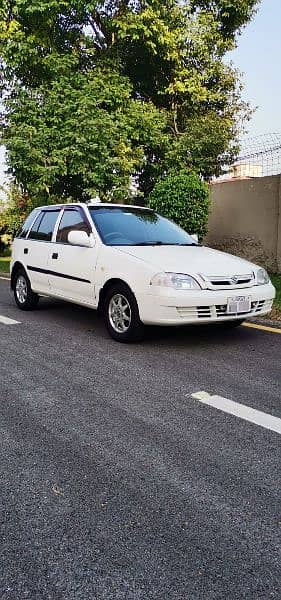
[13, 212]
[97, 92]
[80, 137]
[184, 198]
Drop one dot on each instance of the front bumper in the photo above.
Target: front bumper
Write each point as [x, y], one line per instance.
[170, 307]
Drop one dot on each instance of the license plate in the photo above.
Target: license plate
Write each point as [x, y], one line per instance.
[238, 305]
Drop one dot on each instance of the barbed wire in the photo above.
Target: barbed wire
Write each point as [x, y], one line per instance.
[259, 156]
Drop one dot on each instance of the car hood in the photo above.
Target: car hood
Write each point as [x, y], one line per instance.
[190, 260]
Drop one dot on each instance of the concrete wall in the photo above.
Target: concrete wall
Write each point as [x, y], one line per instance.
[245, 220]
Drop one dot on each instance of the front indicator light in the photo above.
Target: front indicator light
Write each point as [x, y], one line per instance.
[177, 281]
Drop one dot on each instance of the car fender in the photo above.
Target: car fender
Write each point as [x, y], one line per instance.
[115, 265]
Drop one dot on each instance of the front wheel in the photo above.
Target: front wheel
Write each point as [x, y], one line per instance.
[121, 315]
[24, 296]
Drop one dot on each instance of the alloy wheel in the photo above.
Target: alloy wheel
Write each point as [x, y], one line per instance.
[21, 289]
[120, 314]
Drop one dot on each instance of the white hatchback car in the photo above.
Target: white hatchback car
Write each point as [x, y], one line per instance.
[136, 266]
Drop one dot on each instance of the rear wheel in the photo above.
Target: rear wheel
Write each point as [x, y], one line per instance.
[24, 296]
[121, 315]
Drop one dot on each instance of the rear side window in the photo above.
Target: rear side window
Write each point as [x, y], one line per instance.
[72, 220]
[43, 227]
[27, 224]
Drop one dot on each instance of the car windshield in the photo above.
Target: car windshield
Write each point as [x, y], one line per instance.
[129, 226]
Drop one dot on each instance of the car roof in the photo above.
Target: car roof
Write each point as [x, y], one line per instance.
[111, 205]
[89, 205]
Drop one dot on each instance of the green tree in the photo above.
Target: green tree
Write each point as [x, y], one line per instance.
[80, 137]
[184, 198]
[98, 92]
[13, 211]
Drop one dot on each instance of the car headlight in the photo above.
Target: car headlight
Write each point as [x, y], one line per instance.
[178, 281]
[262, 277]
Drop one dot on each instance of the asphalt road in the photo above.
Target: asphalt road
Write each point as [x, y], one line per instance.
[115, 483]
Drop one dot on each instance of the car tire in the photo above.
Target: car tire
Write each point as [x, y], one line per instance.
[121, 314]
[25, 298]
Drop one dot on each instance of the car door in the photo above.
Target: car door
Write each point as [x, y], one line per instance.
[72, 268]
[36, 249]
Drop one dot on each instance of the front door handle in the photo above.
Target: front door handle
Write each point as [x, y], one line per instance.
[25, 251]
[55, 256]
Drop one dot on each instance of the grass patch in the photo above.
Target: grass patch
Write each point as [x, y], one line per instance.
[276, 280]
[4, 264]
[276, 312]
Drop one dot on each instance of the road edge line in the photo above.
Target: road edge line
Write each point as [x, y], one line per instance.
[262, 328]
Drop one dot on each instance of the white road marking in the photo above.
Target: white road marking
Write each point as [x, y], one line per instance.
[7, 321]
[5, 278]
[240, 410]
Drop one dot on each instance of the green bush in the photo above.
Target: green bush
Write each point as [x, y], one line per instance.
[184, 198]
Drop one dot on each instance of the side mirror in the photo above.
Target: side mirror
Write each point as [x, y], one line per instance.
[80, 238]
[195, 237]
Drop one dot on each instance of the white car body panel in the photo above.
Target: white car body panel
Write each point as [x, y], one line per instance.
[136, 266]
[185, 308]
[80, 264]
[191, 260]
[37, 254]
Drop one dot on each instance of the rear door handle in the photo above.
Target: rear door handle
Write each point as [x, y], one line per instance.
[25, 251]
[55, 256]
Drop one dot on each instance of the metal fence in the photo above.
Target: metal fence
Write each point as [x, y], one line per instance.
[259, 156]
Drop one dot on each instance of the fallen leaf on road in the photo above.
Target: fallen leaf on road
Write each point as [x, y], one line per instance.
[57, 490]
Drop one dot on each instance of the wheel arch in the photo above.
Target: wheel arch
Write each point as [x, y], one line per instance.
[108, 284]
[16, 268]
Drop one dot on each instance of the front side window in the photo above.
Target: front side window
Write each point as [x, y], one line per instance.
[43, 227]
[131, 226]
[72, 220]
[27, 224]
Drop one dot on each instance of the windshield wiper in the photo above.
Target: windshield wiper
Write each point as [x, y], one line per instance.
[192, 244]
[156, 243]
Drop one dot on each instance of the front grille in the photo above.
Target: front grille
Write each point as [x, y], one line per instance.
[256, 307]
[264, 305]
[204, 312]
[221, 310]
[199, 313]
[229, 281]
[193, 313]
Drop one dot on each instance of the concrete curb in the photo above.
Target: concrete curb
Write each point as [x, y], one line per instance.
[266, 321]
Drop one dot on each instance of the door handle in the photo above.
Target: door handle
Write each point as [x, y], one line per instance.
[55, 256]
[25, 251]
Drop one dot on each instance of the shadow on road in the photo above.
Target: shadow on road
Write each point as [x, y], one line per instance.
[73, 315]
